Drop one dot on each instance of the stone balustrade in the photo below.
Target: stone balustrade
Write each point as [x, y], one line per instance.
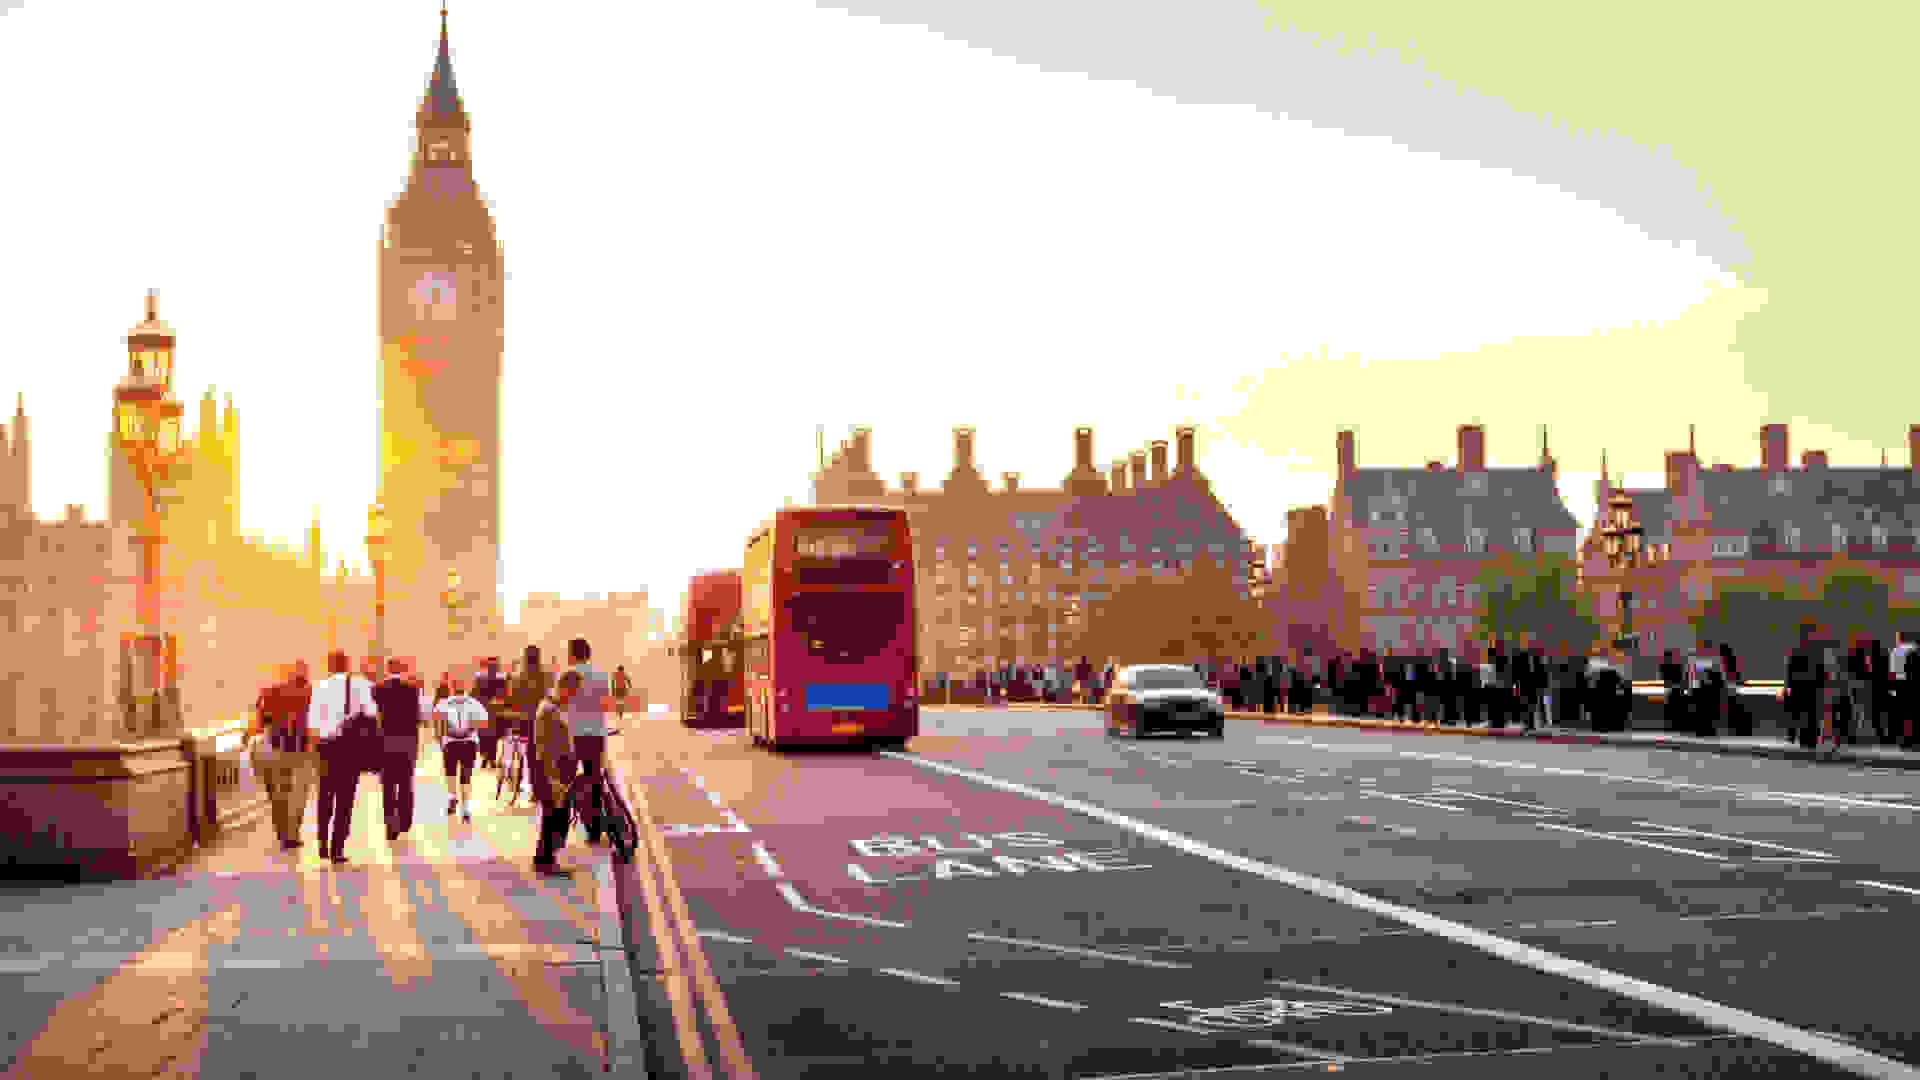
[120, 808]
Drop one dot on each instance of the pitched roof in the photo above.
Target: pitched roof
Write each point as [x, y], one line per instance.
[1444, 501]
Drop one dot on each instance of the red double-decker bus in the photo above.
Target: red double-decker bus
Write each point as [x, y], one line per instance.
[710, 652]
[831, 655]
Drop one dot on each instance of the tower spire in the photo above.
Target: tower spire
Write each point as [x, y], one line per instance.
[1689, 440]
[1603, 467]
[443, 96]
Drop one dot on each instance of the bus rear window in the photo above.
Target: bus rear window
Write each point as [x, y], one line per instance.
[847, 628]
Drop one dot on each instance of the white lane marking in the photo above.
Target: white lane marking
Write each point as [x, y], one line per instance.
[1298, 1048]
[1073, 950]
[733, 820]
[1804, 798]
[806, 954]
[1174, 1024]
[1038, 1000]
[1468, 1010]
[1814, 1045]
[766, 860]
[1417, 802]
[1537, 809]
[916, 976]
[704, 830]
[721, 935]
[1710, 856]
[1445, 1055]
[1668, 830]
[800, 904]
[1896, 888]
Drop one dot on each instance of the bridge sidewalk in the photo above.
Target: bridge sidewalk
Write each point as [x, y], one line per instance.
[439, 954]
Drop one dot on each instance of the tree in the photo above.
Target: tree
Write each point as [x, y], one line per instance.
[1760, 623]
[1181, 621]
[1852, 601]
[1530, 600]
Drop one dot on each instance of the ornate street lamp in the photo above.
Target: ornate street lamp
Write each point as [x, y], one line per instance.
[453, 601]
[1623, 539]
[147, 434]
[379, 527]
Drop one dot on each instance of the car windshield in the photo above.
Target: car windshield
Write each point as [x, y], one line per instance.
[1166, 679]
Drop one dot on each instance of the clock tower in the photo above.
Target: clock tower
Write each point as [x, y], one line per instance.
[441, 341]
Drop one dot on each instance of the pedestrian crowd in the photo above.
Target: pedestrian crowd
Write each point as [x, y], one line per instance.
[323, 736]
[1834, 692]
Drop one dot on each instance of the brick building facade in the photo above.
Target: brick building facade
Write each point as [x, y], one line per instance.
[1002, 573]
[1405, 544]
[1775, 525]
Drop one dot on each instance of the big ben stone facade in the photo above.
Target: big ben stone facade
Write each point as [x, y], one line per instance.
[441, 343]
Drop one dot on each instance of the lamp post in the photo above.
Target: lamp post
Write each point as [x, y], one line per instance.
[453, 601]
[378, 529]
[1623, 540]
[147, 434]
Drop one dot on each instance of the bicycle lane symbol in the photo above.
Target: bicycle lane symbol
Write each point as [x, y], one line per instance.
[1260, 1014]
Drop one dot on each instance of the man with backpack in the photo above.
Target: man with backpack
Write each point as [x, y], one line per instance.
[344, 723]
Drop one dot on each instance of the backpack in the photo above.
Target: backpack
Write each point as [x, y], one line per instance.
[360, 729]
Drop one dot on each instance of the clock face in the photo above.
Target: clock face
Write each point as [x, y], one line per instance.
[436, 296]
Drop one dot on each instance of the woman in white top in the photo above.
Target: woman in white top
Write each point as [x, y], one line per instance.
[461, 718]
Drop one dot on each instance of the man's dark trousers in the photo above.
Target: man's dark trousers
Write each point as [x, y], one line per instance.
[397, 767]
[399, 706]
[339, 783]
[554, 819]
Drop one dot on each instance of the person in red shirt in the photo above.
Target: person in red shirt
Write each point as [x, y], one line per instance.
[282, 752]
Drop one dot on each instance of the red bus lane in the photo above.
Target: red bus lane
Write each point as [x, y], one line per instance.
[901, 899]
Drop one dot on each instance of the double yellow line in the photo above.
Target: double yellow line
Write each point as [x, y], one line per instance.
[683, 961]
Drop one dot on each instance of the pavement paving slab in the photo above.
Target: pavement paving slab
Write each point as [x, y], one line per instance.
[438, 954]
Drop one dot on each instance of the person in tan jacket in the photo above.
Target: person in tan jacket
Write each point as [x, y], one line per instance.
[552, 767]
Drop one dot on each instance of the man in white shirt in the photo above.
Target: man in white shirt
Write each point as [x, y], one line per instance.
[462, 719]
[334, 699]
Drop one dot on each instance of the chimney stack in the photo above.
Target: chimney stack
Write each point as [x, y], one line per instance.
[862, 446]
[1083, 448]
[1118, 477]
[962, 449]
[1473, 448]
[1159, 462]
[1773, 446]
[1012, 480]
[910, 482]
[1183, 449]
[1343, 451]
[1913, 446]
[1813, 459]
[1137, 474]
[1679, 472]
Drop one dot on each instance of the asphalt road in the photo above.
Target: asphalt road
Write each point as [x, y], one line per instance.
[1017, 894]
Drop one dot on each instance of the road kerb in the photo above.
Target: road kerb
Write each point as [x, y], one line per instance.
[626, 1044]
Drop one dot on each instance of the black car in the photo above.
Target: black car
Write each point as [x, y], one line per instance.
[1163, 697]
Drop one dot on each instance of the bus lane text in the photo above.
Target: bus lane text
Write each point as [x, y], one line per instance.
[979, 855]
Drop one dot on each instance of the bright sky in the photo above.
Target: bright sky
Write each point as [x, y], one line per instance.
[725, 223]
